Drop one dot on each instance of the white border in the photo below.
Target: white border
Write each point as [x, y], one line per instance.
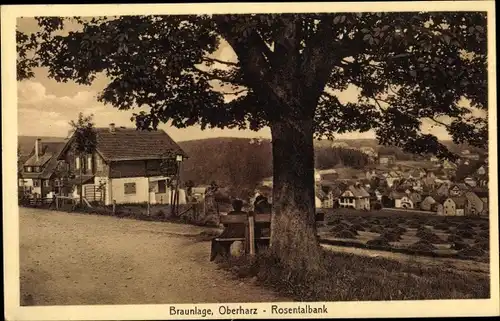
[136, 312]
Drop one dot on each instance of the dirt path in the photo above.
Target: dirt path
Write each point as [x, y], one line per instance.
[74, 259]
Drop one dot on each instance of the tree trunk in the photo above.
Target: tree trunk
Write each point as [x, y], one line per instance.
[293, 230]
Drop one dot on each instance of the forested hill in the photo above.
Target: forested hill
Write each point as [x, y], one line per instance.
[239, 162]
[27, 143]
[242, 162]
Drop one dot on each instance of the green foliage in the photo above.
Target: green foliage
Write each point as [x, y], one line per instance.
[329, 157]
[408, 66]
[223, 160]
[84, 134]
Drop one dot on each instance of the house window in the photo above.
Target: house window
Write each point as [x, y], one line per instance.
[46, 183]
[77, 162]
[129, 188]
[162, 186]
[99, 164]
[36, 183]
[89, 162]
[28, 169]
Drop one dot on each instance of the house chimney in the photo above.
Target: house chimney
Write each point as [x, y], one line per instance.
[112, 127]
[38, 146]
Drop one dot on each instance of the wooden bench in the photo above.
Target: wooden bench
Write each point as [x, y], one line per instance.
[251, 240]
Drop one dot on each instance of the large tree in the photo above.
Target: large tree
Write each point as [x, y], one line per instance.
[84, 143]
[409, 67]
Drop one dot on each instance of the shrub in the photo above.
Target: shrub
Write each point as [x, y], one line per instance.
[432, 222]
[454, 238]
[464, 226]
[471, 252]
[391, 225]
[423, 232]
[481, 239]
[459, 245]
[401, 220]
[483, 245]
[379, 241]
[359, 227]
[365, 225]
[376, 229]
[434, 239]
[442, 226]
[414, 224]
[484, 226]
[400, 230]
[391, 236]
[345, 234]
[335, 221]
[465, 234]
[484, 234]
[340, 227]
[422, 245]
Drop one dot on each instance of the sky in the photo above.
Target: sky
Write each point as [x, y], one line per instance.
[45, 107]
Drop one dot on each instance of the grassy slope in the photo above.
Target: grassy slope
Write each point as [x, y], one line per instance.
[348, 277]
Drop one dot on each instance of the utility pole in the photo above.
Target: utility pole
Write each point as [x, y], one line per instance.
[81, 179]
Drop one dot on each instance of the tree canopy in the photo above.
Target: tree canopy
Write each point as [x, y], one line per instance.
[84, 134]
[408, 67]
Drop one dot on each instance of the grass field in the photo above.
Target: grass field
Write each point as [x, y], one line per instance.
[349, 277]
[408, 232]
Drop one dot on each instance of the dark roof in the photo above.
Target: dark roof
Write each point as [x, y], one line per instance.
[396, 194]
[132, 144]
[481, 192]
[459, 201]
[358, 191]
[440, 199]
[48, 159]
[84, 179]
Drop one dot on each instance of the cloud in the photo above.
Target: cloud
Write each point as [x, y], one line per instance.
[45, 108]
[48, 114]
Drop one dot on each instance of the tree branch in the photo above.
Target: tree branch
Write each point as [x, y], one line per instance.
[218, 77]
[378, 103]
[236, 93]
[215, 60]
[439, 122]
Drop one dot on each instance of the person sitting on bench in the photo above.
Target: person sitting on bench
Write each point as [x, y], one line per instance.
[262, 206]
[231, 231]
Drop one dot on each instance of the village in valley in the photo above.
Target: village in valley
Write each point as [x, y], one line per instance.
[429, 185]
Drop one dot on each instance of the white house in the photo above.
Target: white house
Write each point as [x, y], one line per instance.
[481, 170]
[403, 201]
[355, 196]
[38, 172]
[128, 166]
[470, 181]
[455, 206]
